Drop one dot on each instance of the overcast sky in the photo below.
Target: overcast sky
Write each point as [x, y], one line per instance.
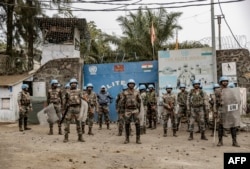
[195, 20]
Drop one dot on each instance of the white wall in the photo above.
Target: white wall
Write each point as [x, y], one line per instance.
[9, 115]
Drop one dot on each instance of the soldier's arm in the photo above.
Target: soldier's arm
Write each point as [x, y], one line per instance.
[48, 97]
[61, 97]
[19, 99]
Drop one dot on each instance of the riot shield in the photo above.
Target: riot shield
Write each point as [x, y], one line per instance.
[230, 107]
[83, 111]
[51, 113]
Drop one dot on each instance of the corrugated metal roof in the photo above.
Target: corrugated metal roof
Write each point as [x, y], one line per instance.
[10, 80]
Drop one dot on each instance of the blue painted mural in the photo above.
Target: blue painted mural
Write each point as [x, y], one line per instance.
[115, 75]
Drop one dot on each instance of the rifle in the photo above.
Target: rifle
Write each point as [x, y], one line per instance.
[64, 114]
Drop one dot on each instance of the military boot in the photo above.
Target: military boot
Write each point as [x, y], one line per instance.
[59, 130]
[154, 127]
[165, 132]
[138, 133]
[127, 129]
[50, 129]
[108, 126]
[90, 131]
[26, 124]
[174, 133]
[149, 123]
[191, 136]
[66, 138]
[20, 124]
[234, 136]
[80, 139]
[203, 137]
[100, 125]
[220, 135]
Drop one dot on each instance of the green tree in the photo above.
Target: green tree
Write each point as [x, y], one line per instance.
[136, 31]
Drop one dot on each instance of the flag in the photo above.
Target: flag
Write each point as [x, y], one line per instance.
[152, 33]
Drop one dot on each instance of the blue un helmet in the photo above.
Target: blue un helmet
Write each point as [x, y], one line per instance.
[169, 86]
[67, 86]
[223, 78]
[182, 86]
[216, 85]
[142, 87]
[131, 81]
[231, 85]
[89, 85]
[196, 82]
[84, 88]
[73, 80]
[54, 81]
[25, 86]
[151, 86]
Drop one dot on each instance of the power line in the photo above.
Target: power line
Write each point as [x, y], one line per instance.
[228, 25]
[131, 9]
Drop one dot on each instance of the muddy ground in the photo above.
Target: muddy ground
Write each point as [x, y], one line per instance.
[35, 149]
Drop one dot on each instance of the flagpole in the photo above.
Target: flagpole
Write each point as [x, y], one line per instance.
[153, 52]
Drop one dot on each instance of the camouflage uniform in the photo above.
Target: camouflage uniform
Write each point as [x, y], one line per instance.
[92, 102]
[169, 103]
[182, 103]
[131, 103]
[55, 96]
[104, 99]
[72, 100]
[152, 109]
[25, 106]
[120, 111]
[196, 106]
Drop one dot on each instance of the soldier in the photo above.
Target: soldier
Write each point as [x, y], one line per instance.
[92, 102]
[120, 110]
[142, 89]
[131, 103]
[84, 90]
[195, 108]
[152, 107]
[25, 106]
[54, 97]
[72, 101]
[182, 103]
[222, 116]
[169, 103]
[104, 99]
[231, 85]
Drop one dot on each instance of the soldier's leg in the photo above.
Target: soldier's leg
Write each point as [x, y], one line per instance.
[83, 127]
[20, 122]
[59, 115]
[90, 122]
[165, 125]
[191, 125]
[100, 113]
[173, 121]
[106, 118]
[26, 122]
[234, 136]
[79, 129]
[202, 124]
[149, 118]
[50, 129]
[137, 128]
[127, 119]
[220, 135]
[66, 130]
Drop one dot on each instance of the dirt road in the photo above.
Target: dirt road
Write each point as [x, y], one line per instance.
[36, 150]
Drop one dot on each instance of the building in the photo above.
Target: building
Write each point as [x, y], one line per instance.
[10, 86]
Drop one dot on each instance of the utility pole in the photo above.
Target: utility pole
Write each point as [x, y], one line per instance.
[219, 29]
[213, 42]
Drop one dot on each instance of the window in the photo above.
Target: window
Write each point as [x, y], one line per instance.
[5, 103]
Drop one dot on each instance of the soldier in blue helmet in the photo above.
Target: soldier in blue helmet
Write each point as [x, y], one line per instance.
[91, 98]
[196, 106]
[72, 102]
[169, 103]
[221, 114]
[131, 103]
[120, 110]
[152, 107]
[25, 107]
[182, 103]
[54, 96]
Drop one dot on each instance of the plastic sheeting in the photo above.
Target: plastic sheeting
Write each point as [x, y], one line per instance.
[51, 113]
[231, 102]
[83, 111]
